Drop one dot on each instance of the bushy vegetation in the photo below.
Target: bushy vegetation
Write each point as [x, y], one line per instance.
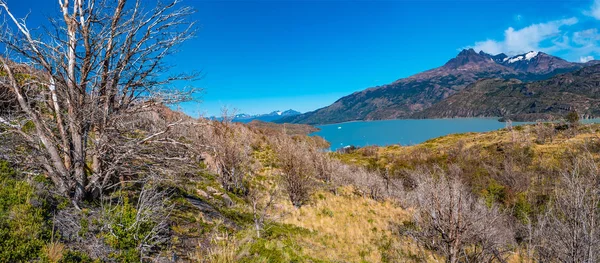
[473, 197]
[133, 231]
[101, 170]
[526, 183]
[24, 228]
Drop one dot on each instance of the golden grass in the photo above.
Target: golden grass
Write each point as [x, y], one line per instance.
[547, 154]
[54, 251]
[346, 227]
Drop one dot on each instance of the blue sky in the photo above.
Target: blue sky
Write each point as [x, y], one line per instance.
[260, 56]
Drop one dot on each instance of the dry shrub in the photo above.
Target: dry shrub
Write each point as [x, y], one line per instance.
[569, 230]
[544, 132]
[54, 251]
[231, 146]
[369, 151]
[368, 183]
[453, 222]
[323, 163]
[297, 169]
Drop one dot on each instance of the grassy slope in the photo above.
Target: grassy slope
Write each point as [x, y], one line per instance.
[343, 226]
[334, 227]
[515, 168]
[349, 228]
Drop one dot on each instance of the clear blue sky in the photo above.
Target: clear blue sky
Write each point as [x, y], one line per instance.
[260, 56]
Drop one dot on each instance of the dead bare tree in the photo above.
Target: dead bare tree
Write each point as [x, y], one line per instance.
[100, 62]
[231, 147]
[544, 131]
[323, 164]
[261, 202]
[569, 230]
[453, 222]
[297, 170]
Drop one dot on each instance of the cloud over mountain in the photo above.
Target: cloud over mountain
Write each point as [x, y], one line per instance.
[533, 37]
[586, 59]
[567, 37]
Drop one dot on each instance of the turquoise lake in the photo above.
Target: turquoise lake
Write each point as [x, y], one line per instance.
[403, 132]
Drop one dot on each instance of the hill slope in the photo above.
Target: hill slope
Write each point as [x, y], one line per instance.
[520, 101]
[405, 97]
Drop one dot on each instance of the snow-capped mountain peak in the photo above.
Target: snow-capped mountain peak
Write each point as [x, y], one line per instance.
[531, 54]
[269, 117]
[527, 56]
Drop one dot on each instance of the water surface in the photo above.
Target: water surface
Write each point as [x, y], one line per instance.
[403, 132]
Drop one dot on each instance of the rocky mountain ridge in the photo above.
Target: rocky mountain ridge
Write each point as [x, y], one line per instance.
[409, 96]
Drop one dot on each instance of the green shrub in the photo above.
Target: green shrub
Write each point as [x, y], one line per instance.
[522, 209]
[327, 212]
[125, 231]
[75, 257]
[494, 193]
[23, 226]
[572, 118]
[137, 228]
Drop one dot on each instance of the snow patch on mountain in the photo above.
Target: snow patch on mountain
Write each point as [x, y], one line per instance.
[269, 117]
[528, 56]
[515, 59]
[531, 55]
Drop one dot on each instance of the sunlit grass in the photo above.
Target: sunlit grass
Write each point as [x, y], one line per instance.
[346, 227]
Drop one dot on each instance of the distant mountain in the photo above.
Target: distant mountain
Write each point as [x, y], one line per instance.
[269, 117]
[408, 96]
[520, 101]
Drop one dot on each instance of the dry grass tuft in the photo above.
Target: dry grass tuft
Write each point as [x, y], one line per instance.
[54, 251]
[346, 227]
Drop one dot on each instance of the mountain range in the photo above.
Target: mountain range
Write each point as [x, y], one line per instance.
[411, 97]
[268, 117]
[524, 101]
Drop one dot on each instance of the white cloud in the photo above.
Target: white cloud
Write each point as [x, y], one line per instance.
[489, 46]
[584, 45]
[586, 37]
[526, 39]
[585, 59]
[594, 10]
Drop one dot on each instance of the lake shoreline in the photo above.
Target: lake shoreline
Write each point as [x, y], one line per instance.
[405, 131]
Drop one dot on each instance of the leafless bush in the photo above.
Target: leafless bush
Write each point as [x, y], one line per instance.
[231, 147]
[324, 165]
[142, 222]
[509, 175]
[544, 132]
[569, 231]
[261, 201]
[367, 182]
[142, 144]
[297, 169]
[76, 230]
[453, 222]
